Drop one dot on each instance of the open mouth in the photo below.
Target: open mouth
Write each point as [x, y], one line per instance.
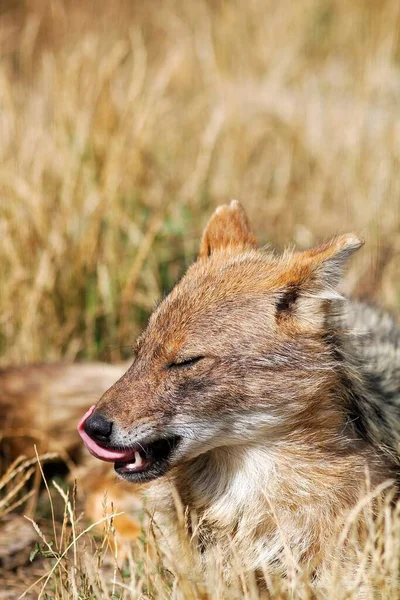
[148, 461]
[141, 462]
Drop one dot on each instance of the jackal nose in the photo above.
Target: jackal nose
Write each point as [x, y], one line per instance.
[98, 427]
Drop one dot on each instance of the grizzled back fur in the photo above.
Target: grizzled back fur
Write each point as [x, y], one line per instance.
[374, 353]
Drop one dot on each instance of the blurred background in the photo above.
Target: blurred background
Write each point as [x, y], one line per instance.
[124, 123]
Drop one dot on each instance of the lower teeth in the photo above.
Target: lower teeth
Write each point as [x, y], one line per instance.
[135, 465]
[138, 459]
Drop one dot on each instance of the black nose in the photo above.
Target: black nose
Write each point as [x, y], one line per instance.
[98, 427]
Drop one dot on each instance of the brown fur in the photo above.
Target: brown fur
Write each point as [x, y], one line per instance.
[41, 405]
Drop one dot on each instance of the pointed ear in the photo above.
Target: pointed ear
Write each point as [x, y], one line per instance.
[325, 263]
[312, 279]
[227, 230]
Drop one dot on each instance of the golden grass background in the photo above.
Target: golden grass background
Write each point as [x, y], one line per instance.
[123, 124]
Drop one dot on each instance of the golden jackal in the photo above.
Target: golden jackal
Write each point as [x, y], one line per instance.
[264, 394]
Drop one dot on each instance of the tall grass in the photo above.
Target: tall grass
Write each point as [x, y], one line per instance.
[78, 561]
[124, 123]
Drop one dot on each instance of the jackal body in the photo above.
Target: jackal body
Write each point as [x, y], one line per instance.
[262, 395]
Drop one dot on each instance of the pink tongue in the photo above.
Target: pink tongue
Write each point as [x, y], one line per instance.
[95, 449]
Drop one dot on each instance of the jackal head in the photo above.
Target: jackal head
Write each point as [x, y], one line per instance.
[238, 353]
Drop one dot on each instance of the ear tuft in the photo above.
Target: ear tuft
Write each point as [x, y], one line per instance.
[227, 230]
[352, 241]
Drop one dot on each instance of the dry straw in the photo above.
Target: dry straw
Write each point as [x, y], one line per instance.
[122, 125]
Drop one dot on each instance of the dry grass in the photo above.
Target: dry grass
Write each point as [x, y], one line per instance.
[123, 123]
[72, 563]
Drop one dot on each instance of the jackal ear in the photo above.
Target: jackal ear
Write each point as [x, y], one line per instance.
[228, 229]
[313, 277]
[324, 264]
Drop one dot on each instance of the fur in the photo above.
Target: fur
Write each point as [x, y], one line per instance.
[40, 405]
[285, 396]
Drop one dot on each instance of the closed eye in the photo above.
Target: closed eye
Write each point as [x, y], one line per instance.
[189, 362]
